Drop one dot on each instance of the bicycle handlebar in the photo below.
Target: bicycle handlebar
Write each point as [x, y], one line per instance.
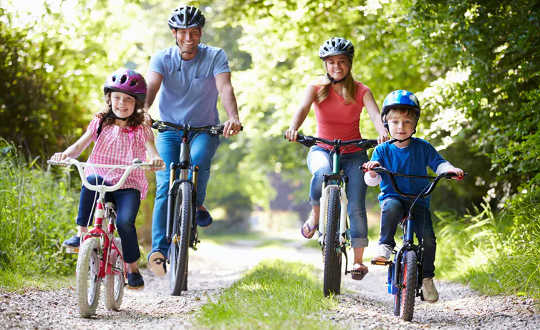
[310, 141]
[427, 191]
[102, 187]
[163, 126]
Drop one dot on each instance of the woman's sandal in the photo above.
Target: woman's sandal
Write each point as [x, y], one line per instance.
[307, 230]
[359, 271]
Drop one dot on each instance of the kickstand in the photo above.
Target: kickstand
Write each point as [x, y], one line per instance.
[346, 261]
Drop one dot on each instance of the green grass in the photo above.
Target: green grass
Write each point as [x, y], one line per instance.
[37, 215]
[495, 253]
[274, 295]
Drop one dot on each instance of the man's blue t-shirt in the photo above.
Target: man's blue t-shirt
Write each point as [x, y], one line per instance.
[188, 90]
[413, 160]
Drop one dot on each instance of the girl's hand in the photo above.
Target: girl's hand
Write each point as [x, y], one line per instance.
[59, 156]
[291, 134]
[157, 164]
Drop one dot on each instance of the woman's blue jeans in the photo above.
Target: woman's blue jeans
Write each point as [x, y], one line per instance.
[392, 211]
[127, 203]
[203, 146]
[319, 163]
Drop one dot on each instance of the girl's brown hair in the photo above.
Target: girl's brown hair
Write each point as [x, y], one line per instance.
[107, 117]
[348, 90]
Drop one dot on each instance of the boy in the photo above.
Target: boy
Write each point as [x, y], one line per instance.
[406, 155]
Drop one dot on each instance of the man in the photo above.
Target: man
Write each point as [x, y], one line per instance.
[191, 75]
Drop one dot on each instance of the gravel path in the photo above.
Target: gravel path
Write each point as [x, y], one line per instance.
[363, 304]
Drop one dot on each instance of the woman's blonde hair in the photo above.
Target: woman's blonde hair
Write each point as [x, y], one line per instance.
[348, 90]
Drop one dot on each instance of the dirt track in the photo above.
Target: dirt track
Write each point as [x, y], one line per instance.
[363, 304]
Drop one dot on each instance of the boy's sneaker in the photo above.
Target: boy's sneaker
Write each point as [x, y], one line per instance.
[383, 253]
[429, 290]
[156, 263]
[203, 218]
[135, 281]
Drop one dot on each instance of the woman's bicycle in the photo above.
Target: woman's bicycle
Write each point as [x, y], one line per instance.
[181, 205]
[334, 225]
[100, 255]
[405, 271]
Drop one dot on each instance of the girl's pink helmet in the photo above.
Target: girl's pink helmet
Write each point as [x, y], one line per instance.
[126, 81]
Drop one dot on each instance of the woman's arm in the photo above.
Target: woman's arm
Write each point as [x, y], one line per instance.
[301, 114]
[375, 116]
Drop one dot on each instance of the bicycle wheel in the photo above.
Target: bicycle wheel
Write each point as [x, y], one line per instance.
[409, 278]
[332, 253]
[88, 281]
[180, 242]
[115, 282]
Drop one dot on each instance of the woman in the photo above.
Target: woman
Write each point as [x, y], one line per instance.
[338, 101]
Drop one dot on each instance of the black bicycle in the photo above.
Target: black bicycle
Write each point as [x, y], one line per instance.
[405, 271]
[181, 205]
[334, 225]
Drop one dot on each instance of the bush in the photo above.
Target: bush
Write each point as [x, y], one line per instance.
[494, 252]
[37, 214]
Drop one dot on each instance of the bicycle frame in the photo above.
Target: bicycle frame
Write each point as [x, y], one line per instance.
[103, 209]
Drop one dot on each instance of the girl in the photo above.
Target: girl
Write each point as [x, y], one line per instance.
[119, 136]
[338, 101]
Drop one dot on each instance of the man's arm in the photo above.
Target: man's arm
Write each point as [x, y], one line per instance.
[226, 92]
[154, 83]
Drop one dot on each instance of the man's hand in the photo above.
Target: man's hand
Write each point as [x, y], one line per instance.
[231, 127]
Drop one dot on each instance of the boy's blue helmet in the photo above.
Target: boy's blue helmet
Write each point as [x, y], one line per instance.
[400, 99]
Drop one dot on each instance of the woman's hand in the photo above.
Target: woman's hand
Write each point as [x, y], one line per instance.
[383, 137]
[291, 134]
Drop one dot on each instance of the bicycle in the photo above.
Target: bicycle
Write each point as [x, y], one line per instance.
[181, 227]
[405, 270]
[100, 255]
[334, 225]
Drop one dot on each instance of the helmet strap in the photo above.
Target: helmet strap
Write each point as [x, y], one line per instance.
[111, 114]
[334, 81]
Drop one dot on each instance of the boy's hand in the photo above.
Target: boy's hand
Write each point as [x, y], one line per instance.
[371, 165]
[457, 171]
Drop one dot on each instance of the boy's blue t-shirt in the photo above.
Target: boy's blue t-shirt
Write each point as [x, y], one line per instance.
[188, 93]
[413, 160]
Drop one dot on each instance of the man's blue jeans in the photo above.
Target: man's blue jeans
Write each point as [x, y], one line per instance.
[202, 147]
[127, 203]
[319, 163]
[392, 211]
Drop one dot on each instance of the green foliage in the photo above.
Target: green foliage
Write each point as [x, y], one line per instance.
[37, 214]
[496, 43]
[251, 302]
[494, 253]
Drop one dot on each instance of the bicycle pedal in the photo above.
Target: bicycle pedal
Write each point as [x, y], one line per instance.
[381, 262]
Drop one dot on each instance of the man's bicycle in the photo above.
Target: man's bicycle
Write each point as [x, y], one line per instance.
[405, 271]
[100, 255]
[333, 224]
[181, 230]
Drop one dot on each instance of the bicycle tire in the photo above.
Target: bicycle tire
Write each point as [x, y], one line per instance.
[88, 282]
[409, 276]
[332, 253]
[179, 247]
[115, 282]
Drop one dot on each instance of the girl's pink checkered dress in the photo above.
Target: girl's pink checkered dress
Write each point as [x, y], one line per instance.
[119, 146]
